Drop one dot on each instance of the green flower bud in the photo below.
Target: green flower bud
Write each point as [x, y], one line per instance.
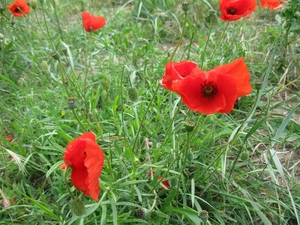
[44, 66]
[244, 155]
[77, 206]
[71, 103]
[132, 94]
[190, 156]
[189, 126]
[257, 86]
[185, 6]
[203, 215]
[32, 4]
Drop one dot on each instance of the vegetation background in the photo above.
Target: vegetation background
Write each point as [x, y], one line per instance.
[237, 168]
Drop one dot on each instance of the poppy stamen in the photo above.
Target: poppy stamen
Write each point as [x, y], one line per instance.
[209, 89]
[18, 9]
[232, 11]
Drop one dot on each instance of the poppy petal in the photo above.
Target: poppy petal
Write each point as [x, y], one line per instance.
[175, 71]
[236, 9]
[272, 4]
[94, 163]
[79, 177]
[228, 82]
[227, 85]
[88, 135]
[86, 159]
[170, 76]
[74, 154]
[184, 68]
[91, 22]
[190, 91]
[239, 70]
[19, 8]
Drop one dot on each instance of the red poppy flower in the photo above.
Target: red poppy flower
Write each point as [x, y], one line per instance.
[19, 8]
[165, 183]
[10, 137]
[86, 159]
[175, 71]
[91, 22]
[216, 90]
[236, 9]
[272, 4]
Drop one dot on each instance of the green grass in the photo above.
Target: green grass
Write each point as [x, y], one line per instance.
[239, 167]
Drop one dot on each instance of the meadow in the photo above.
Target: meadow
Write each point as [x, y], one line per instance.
[160, 159]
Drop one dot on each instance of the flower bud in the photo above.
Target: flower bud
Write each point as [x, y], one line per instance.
[132, 94]
[44, 66]
[71, 103]
[203, 215]
[189, 126]
[141, 213]
[32, 4]
[1, 36]
[244, 155]
[257, 86]
[77, 206]
[185, 6]
[190, 156]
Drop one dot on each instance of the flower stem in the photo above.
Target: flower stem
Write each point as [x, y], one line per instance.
[220, 40]
[186, 151]
[155, 91]
[75, 114]
[181, 36]
[154, 201]
[144, 117]
[66, 182]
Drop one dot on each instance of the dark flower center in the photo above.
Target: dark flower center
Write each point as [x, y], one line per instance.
[17, 10]
[209, 89]
[232, 11]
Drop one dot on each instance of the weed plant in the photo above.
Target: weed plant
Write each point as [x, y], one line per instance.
[58, 81]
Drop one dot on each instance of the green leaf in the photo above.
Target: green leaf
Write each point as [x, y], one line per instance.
[188, 213]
